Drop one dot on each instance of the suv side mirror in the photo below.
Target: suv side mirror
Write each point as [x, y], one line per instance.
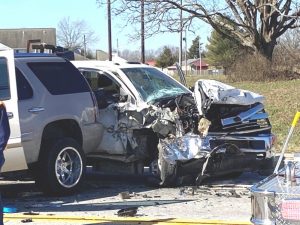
[120, 98]
[123, 98]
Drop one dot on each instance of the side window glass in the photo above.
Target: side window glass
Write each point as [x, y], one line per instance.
[104, 82]
[4, 80]
[24, 89]
[91, 78]
[59, 77]
[105, 89]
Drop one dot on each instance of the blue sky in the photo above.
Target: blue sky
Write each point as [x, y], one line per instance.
[47, 13]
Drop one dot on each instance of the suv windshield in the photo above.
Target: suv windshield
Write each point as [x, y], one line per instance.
[153, 84]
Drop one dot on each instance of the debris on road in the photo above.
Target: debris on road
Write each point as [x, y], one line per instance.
[236, 191]
[31, 213]
[127, 212]
[28, 220]
[124, 195]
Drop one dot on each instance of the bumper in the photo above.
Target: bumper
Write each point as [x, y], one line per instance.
[218, 155]
[258, 144]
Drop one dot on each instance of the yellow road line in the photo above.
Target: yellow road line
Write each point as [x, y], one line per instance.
[121, 220]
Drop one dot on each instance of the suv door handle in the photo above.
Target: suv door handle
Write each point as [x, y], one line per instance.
[36, 109]
[10, 115]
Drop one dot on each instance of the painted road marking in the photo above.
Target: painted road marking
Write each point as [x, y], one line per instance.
[120, 220]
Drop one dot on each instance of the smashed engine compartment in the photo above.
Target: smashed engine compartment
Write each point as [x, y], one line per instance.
[216, 130]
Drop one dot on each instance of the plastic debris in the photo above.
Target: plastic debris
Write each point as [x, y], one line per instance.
[127, 212]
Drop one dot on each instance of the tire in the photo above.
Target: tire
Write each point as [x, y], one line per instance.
[62, 167]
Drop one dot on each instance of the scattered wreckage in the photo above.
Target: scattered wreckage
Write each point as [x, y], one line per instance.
[149, 119]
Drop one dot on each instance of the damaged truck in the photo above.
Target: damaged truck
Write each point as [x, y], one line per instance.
[122, 118]
[151, 120]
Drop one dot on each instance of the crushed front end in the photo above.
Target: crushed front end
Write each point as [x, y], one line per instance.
[219, 130]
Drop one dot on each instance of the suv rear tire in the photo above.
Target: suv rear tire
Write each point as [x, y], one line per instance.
[62, 167]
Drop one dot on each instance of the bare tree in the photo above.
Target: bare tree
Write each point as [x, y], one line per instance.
[75, 35]
[291, 40]
[130, 55]
[287, 52]
[255, 24]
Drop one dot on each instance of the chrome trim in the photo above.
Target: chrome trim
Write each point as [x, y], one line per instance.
[36, 109]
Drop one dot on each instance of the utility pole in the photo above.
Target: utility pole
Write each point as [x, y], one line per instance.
[142, 31]
[180, 34]
[84, 46]
[109, 30]
[185, 53]
[200, 63]
[117, 46]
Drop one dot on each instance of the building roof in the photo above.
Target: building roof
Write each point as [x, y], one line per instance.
[195, 62]
[198, 63]
[18, 38]
[151, 62]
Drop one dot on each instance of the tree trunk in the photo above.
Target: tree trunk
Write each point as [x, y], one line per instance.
[266, 49]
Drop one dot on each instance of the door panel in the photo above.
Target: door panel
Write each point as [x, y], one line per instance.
[14, 153]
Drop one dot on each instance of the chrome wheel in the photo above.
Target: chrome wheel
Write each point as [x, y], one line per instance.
[68, 167]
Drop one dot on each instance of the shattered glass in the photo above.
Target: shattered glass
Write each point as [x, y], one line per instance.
[153, 84]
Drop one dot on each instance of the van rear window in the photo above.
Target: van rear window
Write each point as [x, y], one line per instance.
[59, 77]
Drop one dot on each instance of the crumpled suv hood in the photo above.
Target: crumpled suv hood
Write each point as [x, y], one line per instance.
[215, 92]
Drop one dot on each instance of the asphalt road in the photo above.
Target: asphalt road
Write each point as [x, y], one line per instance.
[102, 196]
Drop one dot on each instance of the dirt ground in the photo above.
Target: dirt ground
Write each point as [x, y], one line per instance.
[103, 195]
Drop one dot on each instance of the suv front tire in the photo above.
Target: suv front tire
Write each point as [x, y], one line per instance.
[62, 167]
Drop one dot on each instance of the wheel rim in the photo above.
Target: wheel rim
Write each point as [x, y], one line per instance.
[68, 167]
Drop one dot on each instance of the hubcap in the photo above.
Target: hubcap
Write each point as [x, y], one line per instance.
[68, 167]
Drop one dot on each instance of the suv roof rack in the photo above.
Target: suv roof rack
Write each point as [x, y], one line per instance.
[23, 55]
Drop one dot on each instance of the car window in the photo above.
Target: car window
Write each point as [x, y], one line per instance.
[4, 80]
[106, 89]
[152, 84]
[24, 89]
[100, 81]
[91, 77]
[59, 77]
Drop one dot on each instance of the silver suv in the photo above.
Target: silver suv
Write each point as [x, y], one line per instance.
[55, 112]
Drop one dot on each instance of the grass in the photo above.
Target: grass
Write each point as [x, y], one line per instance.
[282, 101]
